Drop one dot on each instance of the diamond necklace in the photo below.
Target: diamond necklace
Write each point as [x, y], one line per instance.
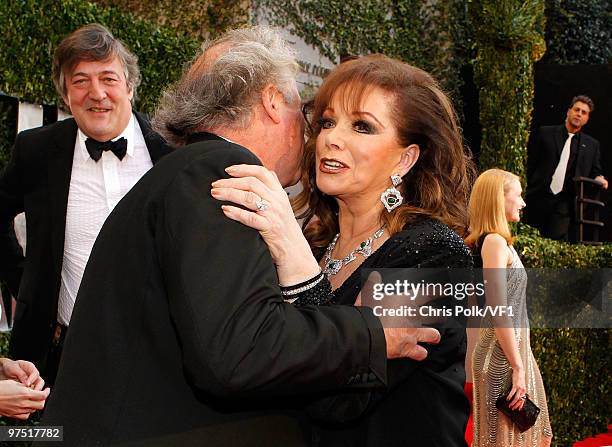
[333, 266]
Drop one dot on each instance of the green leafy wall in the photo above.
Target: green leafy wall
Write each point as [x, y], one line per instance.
[428, 34]
[509, 38]
[198, 18]
[578, 32]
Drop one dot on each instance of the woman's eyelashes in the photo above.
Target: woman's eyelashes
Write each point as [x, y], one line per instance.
[326, 123]
[360, 125]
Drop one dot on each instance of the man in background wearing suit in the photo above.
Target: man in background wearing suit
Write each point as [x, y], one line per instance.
[67, 177]
[194, 343]
[556, 155]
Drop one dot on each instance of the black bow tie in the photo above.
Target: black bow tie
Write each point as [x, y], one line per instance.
[95, 148]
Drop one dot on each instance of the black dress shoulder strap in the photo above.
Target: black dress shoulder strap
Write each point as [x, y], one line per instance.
[476, 251]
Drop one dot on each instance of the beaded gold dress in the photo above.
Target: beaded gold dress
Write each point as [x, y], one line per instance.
[493, 375]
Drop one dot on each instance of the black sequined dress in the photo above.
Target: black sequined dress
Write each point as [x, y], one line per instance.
[424, 404]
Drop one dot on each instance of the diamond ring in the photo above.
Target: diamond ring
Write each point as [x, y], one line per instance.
[262, 205]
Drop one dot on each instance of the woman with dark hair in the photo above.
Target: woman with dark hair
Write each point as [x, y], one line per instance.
[386, 182]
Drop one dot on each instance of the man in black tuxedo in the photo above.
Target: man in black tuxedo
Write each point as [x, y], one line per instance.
[180, 334]
[556, 155]
[67, 183]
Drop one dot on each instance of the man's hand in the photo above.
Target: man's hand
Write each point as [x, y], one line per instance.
[21, 371]
[402, 342]
[601, 179]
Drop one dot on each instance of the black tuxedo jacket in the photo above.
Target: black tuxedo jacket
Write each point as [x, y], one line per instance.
[37, 181]
[545, 152]
[180, 335]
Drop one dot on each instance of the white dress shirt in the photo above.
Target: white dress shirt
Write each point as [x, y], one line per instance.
[95, 189]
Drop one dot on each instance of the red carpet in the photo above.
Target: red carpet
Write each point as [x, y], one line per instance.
[467, 389]
[602, 440]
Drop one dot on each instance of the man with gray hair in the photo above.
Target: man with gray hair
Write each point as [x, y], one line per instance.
[194, 344]
[67, 177]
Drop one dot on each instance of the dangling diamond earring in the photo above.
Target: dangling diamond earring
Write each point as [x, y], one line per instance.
[392, 198]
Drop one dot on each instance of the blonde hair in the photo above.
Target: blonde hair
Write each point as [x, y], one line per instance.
[486, 209]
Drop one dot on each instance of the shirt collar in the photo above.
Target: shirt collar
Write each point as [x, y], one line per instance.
[226, 139]
[204, 135]
[128, 134]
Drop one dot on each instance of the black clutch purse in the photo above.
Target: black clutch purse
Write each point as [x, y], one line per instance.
[523, 418]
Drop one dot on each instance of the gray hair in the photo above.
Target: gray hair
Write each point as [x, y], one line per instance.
[93, 42]
[221, 91]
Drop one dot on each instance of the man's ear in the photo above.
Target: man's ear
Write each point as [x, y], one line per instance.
[272, 100]
[66, 101]
[409, 157]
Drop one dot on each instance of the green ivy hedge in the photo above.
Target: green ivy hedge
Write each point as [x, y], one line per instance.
[509, 38]
[539, 252]
[198, 18]
[576, 374]
[578, 32]
[430, 35]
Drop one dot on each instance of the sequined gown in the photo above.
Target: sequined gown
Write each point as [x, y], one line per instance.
[424, 404]
[493, 375]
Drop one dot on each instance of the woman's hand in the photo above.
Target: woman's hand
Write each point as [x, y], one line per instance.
[519, 389]
[268, 211]
[21, 371]
[18, 401]
[496, 257]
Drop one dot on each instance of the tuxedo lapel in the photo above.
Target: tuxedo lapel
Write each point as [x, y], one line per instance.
[560, 137]
[155, 143]
[59, 165]
[584, 157]
[60, 155]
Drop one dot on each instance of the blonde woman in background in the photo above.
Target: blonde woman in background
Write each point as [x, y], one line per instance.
[502, 358]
